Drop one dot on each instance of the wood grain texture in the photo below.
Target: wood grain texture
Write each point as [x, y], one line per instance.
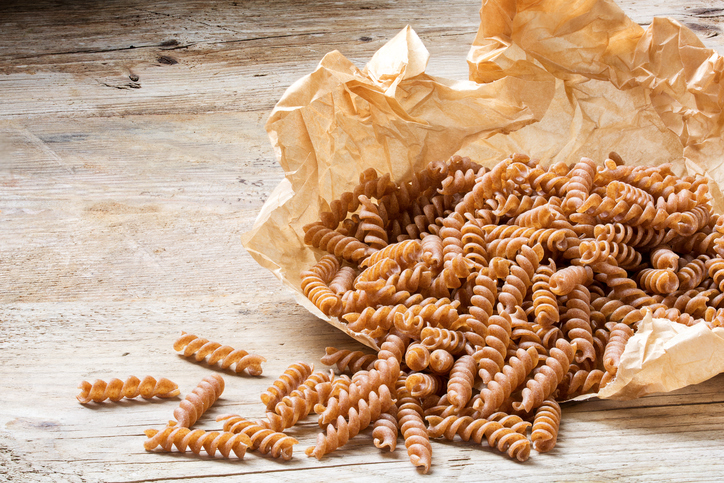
[132, 157]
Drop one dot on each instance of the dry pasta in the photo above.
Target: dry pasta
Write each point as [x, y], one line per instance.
[525, 277]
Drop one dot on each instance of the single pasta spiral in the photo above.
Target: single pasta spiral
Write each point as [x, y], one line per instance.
[505, 440]
[545, 426]
[199, 400]
[460, 383]
[213, 353]
[349, 361]
[264, 440]
[386, 429]
[196, 440]
[412, 427]
[115, 389]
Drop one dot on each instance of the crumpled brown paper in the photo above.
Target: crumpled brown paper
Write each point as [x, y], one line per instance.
[554, 79]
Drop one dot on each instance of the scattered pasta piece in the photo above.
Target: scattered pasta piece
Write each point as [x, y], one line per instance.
[215, 353]
[115, 389]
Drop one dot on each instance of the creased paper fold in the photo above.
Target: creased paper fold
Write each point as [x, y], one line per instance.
[554, 79]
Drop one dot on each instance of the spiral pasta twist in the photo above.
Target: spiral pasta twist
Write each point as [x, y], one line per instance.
[316, 389]
[520, 278]
[491, 358]
[565, 280]
[544, 302]
[262, 439]
[545, 426]
[196, 440]
[579, 184]
[549, 376]
[343, 280]
[441, 361]
[460, 383]
[576, 322]
[199, 400]
[620, 334]
[420, 385]
[372, 223]
[434, 338]
[286, 383]
[659, 281]
[358, 419]
[417, 357]
[412, 427]
[116, 389]
[349, 361]
[692, 273]
[505, 440]
[385, 429]
[215, 353]
[506, 381]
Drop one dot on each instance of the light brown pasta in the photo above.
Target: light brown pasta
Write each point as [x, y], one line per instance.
[385, 429]
[412, 427]
[517, 274]
[545, 426]
[417, 357]
[420, 385]
[292, 378]
[620, 334]
[214, 353]
[349, 361]
[115, 389]
[198, 401]
[264, 440]
[196, 440]
[460, 384]
[503, 439]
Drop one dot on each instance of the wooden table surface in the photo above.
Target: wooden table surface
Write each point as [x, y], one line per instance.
[132, 158]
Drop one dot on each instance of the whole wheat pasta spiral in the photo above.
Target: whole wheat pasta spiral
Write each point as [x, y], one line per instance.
[420, 385]
[215, 353]
[545, 426]
[506, 381]
[544, 302]
[264, 440]
[350, 361]
[417, 357]
[520, 272]
[548, 377]
[460, 384]
[434, 338]
[491, 358]
[412, 427]
[196, 440]
[115, 389]
[199, 400]
[503, 439]
[316, 389]
[358, 419]
[386, 429]
[620, 334]
[292, 378]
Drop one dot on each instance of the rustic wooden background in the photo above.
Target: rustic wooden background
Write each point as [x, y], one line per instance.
[132, 158]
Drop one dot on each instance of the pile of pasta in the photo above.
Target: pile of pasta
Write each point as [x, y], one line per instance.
[495, 293]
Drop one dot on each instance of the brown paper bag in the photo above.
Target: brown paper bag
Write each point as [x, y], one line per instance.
[554, 79]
